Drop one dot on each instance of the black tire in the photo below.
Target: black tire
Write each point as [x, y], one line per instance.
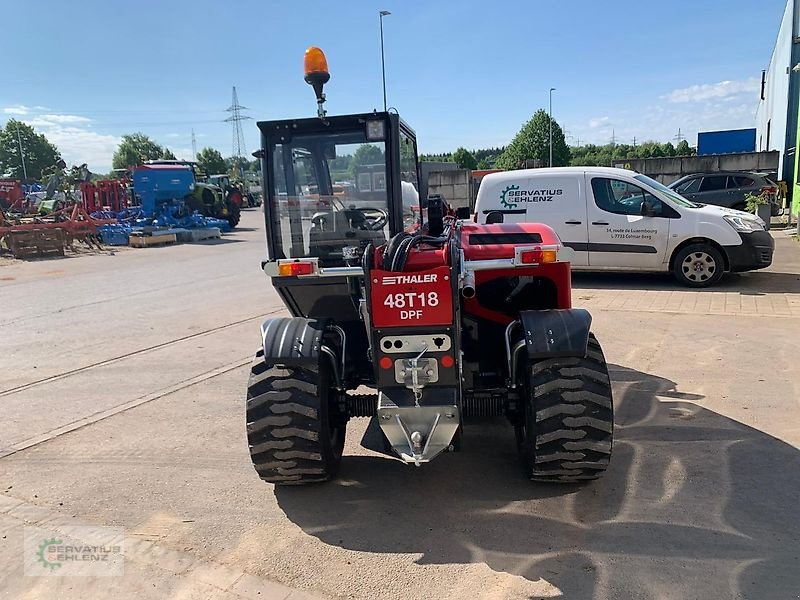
[698, 265]
[293, 430]
[234, 215]
[567, 431]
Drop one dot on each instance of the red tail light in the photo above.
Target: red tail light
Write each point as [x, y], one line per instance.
[295, 268]
[769, 190]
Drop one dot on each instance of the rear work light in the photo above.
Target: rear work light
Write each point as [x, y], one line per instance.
[295, 268]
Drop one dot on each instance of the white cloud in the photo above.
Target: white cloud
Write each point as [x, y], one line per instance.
[79, 146]
[64, 119]
[709, 91]
[599, 122]
[183, 153]
[75, 141]
[17, 110]
[174, 135]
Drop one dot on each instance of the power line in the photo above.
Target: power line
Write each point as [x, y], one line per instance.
[194, 146]
[680, 137]
[236, 118]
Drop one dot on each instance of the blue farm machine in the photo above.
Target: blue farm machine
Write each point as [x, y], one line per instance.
[173, 186]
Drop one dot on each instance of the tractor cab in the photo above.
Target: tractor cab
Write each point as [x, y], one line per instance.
[333, 185]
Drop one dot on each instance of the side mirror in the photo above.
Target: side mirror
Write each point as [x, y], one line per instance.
[648, 209]
[494, 217]
[463, 212]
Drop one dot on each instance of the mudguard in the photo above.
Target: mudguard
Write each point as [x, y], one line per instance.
[291, 340]
[551, 333]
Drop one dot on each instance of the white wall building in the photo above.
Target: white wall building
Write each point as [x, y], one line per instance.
[776, 116]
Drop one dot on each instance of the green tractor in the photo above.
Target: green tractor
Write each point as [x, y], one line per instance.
[234, 189]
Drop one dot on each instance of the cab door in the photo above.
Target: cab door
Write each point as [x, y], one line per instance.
[620, 235]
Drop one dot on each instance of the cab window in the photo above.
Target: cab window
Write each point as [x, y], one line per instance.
[329, 196]
[409, 184]
[622, 198]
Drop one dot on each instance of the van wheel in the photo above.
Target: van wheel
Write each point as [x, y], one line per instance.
[698, 265]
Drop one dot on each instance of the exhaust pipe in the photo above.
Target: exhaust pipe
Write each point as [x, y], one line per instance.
[468, 284]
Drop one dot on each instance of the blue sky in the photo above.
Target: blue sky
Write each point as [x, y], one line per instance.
[462, 73]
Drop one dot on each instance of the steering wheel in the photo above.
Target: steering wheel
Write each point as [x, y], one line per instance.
[374, 219]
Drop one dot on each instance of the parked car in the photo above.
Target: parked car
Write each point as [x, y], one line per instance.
[727, 188]
[616, 219]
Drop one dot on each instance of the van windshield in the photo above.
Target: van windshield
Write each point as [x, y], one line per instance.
[671, 194]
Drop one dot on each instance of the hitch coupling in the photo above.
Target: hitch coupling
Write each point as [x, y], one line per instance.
[418, 433]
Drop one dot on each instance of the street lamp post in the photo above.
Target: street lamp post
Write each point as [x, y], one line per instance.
[382, 14]
[21, 154]
[551, 125]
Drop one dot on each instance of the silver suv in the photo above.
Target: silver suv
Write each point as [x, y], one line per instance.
[727, 188]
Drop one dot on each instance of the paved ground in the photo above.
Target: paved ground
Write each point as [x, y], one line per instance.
[121, 394]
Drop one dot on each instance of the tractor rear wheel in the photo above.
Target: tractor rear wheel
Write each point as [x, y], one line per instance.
[566, 433]
[294, 431]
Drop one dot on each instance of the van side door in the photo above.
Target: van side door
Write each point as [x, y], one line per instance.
[556, 200]
[628, 226]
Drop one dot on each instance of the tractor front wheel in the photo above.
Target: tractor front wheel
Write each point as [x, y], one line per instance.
[567, 429]
[294, 429]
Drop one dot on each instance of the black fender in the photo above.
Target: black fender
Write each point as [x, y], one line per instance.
[291, 340]
[557, 332]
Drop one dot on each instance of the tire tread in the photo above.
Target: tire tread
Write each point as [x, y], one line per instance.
[574, 418]
[284, 425]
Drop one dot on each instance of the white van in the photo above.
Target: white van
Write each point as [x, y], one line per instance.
[615, 219]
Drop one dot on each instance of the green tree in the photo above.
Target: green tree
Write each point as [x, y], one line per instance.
[210, 160]
[38, 152]
[483, 164]
[167, 155]
[464, 159]
[236, 165]
[366, 154]
[134, 149]
[683, 149]
[533, 143]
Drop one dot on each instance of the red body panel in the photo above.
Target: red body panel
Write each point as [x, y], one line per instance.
[411, 299]
[425, 260]
[11, 190]
[490, 251]
[559, 273]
